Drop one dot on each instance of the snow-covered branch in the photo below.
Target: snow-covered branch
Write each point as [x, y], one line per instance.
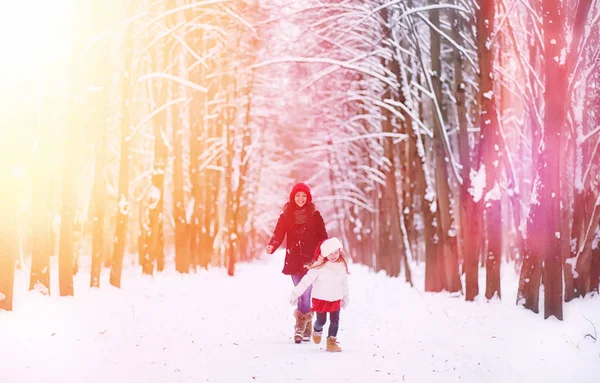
[178, 79]
[322, 60]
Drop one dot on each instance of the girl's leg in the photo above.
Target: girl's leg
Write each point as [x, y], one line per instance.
[320, 322]
[304, 299]
[318, 329]
[334, 323]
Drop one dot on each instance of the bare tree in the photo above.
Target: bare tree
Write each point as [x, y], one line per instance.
[100, 79]
[182, 248]
[41, 243]
[153, 249]
[124, 201]
[9, 244]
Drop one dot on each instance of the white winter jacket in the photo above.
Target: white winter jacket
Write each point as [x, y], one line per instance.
[329, 282]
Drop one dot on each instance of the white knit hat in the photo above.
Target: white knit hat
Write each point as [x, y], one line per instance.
[330, 245]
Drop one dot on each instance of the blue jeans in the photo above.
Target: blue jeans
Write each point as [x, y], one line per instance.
[304, 299]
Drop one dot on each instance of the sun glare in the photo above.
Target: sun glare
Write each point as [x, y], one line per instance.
[34, 34]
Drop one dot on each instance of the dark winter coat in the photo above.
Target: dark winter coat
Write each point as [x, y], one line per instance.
[302, 239]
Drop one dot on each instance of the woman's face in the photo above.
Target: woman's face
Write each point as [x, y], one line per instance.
[334, 256]
[300, 198]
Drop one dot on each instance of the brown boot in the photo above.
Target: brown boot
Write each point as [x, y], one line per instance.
[299, 326]
[332, 345]
[308, 327]
[317, 336]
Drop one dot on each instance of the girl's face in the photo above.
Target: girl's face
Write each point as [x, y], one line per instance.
[334, 256]
[300, 198]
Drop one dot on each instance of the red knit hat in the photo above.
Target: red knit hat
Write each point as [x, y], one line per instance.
[301, 187]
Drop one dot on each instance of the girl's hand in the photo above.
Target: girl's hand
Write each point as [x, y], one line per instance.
[269, 249]
[293, 299]
[345, 302]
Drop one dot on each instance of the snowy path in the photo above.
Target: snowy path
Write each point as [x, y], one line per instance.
[212, 328]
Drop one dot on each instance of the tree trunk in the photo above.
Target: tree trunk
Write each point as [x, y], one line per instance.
[543, 232]
[211, 196]
[196, 119]
[182, 250]
[194, 231]
[535, 51]
[469, 240]
[72, 159]
[409, 160]
[123, 204]
[41, 187]
[494, 251]
[554, 119]
[576, 235]
[153, 251]
[228, 115]
[240, 215]
[595, 268]
[9, 238]
[433, 262]
[531, 270]
[391, 247]
[472, 233]
[69, 195]
[98, 199]
[369, 225]
[205, 176]
[578, 227]
[490, 147]
[395, 240]
[584, 264]
[447, 237]
[98, 127]
[426, 195]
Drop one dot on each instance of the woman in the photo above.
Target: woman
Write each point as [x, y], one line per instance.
[305, 229]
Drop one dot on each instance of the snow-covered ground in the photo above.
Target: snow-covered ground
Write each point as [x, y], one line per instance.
[209, 327]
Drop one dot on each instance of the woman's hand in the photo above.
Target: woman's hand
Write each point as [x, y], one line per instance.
[293, 299]
[269, 249]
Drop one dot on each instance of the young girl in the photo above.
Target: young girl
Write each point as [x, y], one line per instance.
[328, 276]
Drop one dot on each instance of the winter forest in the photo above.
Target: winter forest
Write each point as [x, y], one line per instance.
[450, 145]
